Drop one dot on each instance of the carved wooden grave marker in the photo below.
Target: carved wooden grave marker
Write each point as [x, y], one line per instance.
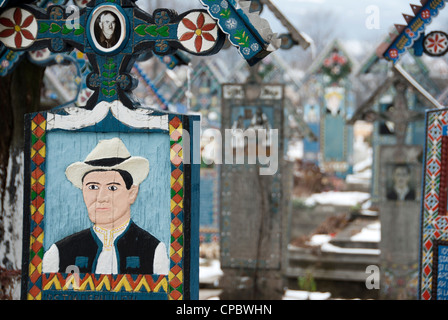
[328, 106]
[111, 196]
[252, 216]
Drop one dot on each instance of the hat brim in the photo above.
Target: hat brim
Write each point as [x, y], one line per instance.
[137, 167]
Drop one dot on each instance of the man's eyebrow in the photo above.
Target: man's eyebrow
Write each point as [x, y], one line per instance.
[114, 183]
[92, 182]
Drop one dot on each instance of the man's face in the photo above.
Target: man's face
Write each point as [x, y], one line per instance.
[401, 177]
[107, 200]
[107, 24]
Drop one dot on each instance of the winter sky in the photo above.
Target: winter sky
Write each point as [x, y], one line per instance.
[353, 15]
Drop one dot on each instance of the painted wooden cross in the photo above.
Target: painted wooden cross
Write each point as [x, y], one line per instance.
[114, 33]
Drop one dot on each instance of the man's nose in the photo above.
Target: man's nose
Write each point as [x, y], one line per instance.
[103, 195]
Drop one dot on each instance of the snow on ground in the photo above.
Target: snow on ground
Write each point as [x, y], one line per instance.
[295, 150]
[209, 271]
[323, 241]
[361, 177]
[371, 233]
[328, 247]
[319, 239]
[305, 295]
[337, 198]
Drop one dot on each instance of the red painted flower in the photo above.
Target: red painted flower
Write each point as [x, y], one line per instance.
[393, 53]
[82, 3]
[436, 43]
[426, 14]
[17, 27]
[200, 30]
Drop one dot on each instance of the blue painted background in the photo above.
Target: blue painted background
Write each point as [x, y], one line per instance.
[65, 211]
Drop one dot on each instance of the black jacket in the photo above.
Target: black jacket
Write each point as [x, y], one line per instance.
[135, 249]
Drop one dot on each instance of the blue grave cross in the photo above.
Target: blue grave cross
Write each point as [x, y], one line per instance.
[113, 34]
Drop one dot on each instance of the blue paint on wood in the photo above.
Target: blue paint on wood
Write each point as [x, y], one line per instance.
[442, 273]
[194, 213]
[152, 207]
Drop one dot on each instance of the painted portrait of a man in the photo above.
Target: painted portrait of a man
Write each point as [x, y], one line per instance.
[107, 29]
[400, 187]
[109, 179]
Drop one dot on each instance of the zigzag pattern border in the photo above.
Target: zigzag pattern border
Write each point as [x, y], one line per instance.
[176, 276]
[434, 225]
[173, 284]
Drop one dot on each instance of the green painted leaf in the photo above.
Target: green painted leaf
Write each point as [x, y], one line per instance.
[105, 92]
[108, 83]
[225, 13]
[140, 30]
[66, 30]
[79, 30]
[112, 92]
[110, 66]
[55, 28]
[44, 27]
[164, 31]
[152, 30]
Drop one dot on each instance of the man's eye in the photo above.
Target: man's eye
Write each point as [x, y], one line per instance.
[112, 188]
[93, 187]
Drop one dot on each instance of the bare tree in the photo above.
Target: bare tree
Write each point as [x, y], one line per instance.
[322, 25]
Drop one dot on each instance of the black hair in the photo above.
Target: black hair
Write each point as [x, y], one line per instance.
[127, 178]
[403, 165]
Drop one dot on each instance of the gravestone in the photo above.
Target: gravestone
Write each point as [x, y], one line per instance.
[396, 178]
[328, 104]
[400, 181]
[138, 238]
[252, 221]
[397, 85]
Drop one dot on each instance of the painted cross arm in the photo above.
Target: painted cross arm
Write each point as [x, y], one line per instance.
[31, 28]
[113, 47]
[246, 30]
[411, 34]
[165, 32]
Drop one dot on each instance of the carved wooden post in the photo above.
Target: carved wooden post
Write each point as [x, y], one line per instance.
[252, 226]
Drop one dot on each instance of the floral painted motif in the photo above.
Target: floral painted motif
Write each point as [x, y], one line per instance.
[336, 66]
[82, 3]
[18, 28]
[200, 35]
[39, 55]
[436, 43]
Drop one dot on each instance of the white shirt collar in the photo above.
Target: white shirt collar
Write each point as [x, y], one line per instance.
[108, 237]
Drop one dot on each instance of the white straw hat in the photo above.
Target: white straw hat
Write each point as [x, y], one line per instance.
[109, 155]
